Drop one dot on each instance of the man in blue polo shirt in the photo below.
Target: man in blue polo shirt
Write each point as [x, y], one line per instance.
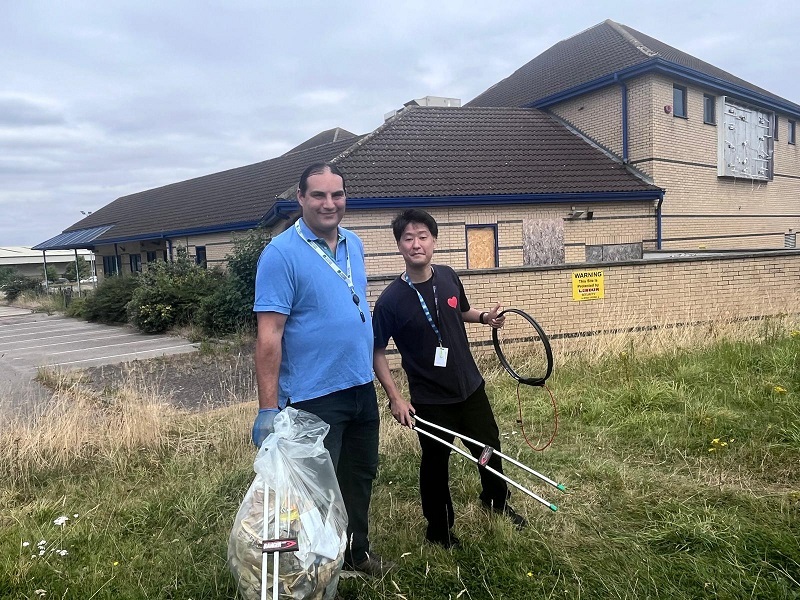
[314, 346]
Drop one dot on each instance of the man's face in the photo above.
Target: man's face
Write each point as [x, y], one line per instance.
[323, 203]
[416, 245]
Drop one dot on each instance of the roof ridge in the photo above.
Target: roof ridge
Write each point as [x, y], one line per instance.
[333, 141]
[628, 37]
[380, 128]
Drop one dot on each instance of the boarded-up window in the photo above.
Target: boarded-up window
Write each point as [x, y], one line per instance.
[543, 241]
[613, 252]
[481, 247]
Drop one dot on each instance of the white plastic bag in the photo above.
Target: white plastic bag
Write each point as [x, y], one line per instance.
[293, 461]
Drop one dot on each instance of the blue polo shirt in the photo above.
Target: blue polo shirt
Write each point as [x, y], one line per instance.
[326, 347]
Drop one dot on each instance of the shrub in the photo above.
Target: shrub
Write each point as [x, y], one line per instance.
[77, 308]
[109, 301]
[170, 293]
[17, 285]
[6, 275]
[230, 307]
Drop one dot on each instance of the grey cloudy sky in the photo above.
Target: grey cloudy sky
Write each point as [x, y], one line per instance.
[103, 99]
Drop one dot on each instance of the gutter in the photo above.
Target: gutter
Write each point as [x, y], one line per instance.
[282, 208]
[665, 67]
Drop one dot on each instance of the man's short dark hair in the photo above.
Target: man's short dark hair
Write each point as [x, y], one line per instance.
[413, 215]
[317, 169]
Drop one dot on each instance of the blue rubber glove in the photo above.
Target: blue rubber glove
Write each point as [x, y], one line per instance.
[262, 426]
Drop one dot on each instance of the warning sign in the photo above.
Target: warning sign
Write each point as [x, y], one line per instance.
[587, 285]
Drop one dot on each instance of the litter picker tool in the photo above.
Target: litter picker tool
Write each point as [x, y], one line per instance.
[483, 460]
[274, 546]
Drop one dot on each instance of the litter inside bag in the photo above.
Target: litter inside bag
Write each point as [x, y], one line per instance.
[293, 465]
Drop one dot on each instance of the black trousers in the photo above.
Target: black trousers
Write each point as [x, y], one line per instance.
[353, 445]
[473, 418]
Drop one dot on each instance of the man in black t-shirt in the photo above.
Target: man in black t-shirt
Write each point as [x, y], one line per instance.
[424, 311]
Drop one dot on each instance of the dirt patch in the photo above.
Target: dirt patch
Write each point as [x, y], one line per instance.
[196, 381]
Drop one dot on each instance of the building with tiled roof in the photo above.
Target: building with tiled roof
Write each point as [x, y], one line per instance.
[723, 149]
[197, 213]
[495, 179]
[606, 145]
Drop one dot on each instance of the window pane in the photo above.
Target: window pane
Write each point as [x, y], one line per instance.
[679, 101]
[708, 109]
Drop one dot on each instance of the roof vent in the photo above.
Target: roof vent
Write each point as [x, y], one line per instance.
[433, 101]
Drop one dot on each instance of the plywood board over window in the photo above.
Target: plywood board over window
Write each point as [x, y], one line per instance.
[481, 246]
[543, 241]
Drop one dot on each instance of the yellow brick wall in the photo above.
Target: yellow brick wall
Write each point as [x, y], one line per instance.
[680, 154]
[637, 295]
[612, 223]
[720, 212]
[218, 246]
[598, 114]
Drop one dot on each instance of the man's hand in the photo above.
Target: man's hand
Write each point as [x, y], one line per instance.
[262, 426]
[402, 411]
[492, 318]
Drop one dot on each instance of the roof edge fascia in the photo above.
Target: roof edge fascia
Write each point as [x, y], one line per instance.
[660, 65]
[163, 235]
[283, 208]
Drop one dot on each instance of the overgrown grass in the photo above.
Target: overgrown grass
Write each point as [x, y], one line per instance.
[682, 472]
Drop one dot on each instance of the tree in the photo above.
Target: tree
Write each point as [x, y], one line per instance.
[84, 269]
[52, 274]
[6, 275]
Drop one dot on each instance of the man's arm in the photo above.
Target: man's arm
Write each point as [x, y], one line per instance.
[401, 408]
[473, 315]
[268, 357]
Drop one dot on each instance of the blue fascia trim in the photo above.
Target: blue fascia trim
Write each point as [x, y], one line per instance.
[282, 207]
[179, 232]
[666, 67]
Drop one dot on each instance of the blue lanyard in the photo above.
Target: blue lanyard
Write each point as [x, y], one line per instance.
[425, 306]
[346, 277]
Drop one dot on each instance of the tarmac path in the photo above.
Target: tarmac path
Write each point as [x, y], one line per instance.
[32, 340]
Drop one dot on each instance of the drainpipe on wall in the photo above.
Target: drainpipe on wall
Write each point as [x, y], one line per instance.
[117, 260]
[624, 91]
[169, 247]
[658, 221]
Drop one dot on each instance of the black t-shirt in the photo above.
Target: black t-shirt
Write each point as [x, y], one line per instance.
[399, 315]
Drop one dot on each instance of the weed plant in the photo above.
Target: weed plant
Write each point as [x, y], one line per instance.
[682, 470]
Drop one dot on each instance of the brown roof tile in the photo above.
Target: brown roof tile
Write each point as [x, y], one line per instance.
[235, 196]
[601, 50]
[479, 151]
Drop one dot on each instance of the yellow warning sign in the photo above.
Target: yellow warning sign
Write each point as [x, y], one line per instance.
[587, 285]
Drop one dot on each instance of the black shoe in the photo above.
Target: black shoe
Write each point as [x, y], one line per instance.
[446, 541]
[517, 519]
[373, 565]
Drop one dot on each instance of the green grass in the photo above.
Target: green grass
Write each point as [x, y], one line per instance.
[650, 511]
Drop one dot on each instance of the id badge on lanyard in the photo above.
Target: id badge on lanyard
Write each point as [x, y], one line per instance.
[440, 357]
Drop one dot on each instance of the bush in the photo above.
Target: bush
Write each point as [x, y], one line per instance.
[110, 299]
[76, 308]
[170, 293]
[6, 275]
[17, 285]
[230, 307]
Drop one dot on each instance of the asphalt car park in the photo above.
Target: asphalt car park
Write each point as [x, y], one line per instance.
[29, 341]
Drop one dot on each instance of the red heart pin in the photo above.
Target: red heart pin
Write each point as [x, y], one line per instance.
[453, 302]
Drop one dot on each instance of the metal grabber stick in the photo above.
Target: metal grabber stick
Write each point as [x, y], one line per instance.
[277, 544]
[487, 453]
